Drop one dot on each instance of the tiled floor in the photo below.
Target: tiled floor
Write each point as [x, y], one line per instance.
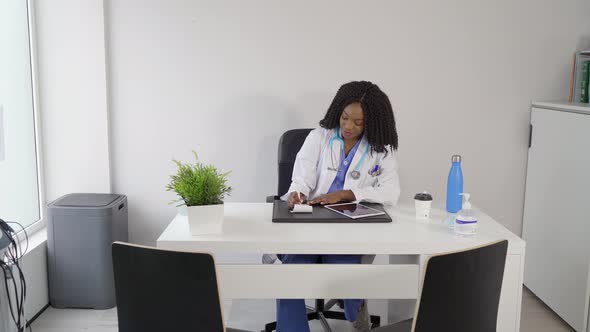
[252, 315]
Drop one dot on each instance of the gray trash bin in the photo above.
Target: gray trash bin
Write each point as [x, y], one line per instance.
[80, 231]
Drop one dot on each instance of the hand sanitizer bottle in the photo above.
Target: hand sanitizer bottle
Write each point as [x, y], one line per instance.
[466, 222]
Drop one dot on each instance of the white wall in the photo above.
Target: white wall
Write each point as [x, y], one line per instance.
[34, 266]
[72, 96]
[227, 78]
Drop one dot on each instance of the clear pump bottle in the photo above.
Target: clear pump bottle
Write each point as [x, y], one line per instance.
[466, 221]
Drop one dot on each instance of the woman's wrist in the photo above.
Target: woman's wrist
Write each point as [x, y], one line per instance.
[347, 195]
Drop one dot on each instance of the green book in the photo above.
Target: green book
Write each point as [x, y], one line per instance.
[584, 83]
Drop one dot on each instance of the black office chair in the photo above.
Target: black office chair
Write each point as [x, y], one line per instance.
[460, 292]
[160, 290]
[289, 145]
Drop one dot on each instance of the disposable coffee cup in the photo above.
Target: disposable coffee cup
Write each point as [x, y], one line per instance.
[423, 202]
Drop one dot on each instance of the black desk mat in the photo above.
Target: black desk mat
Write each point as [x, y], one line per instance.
[281, 213]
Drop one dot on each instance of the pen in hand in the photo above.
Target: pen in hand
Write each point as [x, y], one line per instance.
[296, 197]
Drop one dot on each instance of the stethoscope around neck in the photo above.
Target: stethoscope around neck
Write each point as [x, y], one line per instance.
[356, 173]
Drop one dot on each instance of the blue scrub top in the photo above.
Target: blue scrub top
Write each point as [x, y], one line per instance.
[338, 183]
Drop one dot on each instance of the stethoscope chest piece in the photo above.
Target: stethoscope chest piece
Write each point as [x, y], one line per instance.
[355, 174]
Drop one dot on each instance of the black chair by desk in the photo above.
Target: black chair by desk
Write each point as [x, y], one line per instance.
[460, 292]
[289, 145]
[160, 290]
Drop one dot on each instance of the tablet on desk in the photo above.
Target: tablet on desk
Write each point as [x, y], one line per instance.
[354, 210]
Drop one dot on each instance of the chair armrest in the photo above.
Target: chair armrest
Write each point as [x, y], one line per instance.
[270, 199]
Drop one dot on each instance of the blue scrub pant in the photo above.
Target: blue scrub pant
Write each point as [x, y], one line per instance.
[291, 314]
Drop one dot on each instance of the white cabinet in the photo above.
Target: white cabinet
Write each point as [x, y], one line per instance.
[556, 224]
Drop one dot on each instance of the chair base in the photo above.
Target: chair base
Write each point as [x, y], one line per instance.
[322, 315]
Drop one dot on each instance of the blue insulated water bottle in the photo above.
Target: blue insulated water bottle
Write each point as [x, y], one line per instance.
[455, 186]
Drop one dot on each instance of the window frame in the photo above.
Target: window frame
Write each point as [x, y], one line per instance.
[41, 222]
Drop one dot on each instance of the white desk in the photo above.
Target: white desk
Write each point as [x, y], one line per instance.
[248, 229]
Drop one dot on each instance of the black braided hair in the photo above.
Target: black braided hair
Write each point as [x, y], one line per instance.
[378, 114]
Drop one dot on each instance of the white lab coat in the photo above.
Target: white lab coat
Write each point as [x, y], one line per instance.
[312, 176]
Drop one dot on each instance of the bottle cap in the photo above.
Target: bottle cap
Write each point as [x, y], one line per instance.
[456, 158]
[424, 196]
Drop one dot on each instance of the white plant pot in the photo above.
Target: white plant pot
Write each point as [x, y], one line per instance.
[205, 219]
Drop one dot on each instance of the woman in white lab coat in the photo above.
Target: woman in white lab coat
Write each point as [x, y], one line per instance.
[351, 157]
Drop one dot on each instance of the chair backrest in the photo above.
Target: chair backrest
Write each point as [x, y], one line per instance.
[461, 291]
[289, 145]
[161, 290]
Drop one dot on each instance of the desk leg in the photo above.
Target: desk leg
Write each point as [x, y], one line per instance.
[226, 304]
[511, 296]
[402, 309]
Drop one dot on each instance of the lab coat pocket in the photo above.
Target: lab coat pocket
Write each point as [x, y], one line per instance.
[368, 181]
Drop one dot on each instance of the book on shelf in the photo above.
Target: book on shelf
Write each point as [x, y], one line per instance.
[579, 89]
[584, 83]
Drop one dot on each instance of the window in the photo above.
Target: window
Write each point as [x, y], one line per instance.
[19, 170]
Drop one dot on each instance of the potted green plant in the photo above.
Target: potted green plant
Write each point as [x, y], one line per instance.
[202, 189]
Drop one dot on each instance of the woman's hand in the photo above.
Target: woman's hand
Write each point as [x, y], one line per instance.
[295, 198]
[333, 198]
